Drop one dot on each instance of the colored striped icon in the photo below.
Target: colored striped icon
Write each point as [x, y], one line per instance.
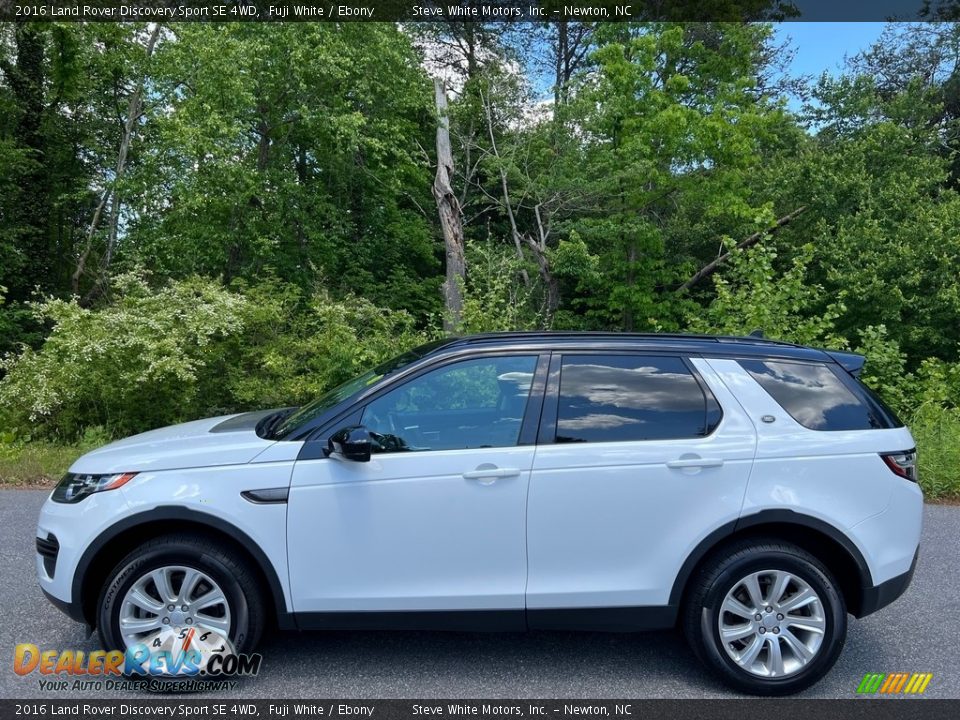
[894, 683]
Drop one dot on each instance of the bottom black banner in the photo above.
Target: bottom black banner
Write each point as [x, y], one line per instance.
[861, 708]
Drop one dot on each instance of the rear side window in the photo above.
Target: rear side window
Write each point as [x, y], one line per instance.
[610, 398]
[818, 397]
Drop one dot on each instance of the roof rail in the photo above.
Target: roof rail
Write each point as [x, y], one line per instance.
[560, 334]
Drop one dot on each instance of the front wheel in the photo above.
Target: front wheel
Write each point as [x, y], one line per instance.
[178, 593]
[767, 617]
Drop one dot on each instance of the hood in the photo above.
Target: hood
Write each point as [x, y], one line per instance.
[225, 440]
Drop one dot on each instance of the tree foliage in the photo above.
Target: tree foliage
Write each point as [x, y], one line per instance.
[159, 354]
[276, 182]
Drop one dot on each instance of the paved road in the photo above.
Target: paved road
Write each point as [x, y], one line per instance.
[919, 633]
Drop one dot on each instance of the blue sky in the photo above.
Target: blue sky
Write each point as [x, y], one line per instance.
[821, 46]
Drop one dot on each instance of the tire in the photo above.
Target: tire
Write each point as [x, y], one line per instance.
[725, 578]
[242, 608]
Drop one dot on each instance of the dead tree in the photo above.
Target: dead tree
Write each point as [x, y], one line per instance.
[451, 218]
[748, 241]
[108, 196]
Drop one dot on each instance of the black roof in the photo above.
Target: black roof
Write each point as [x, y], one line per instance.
[708, 345]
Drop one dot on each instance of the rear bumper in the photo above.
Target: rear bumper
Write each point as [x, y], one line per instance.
[879, 596]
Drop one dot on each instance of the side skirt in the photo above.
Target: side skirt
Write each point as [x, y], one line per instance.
[616, 619]
[604, 619]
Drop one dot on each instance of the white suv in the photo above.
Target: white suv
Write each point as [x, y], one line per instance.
[753, 492]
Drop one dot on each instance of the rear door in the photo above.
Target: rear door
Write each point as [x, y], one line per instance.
[640, 457]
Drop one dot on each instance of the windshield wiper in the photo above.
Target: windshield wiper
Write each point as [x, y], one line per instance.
[268, 424]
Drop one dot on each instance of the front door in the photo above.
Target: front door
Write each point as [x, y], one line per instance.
[437, 519]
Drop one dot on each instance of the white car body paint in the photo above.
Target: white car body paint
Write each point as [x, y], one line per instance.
[837, 477]
[408, 531]
[587, 525]
[178, 446]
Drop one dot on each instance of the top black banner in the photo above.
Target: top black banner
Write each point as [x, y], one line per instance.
[477, 10]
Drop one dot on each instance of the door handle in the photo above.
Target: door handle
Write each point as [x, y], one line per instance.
[490, 473]
[695, 462]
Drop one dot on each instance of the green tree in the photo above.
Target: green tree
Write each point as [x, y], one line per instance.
[291, 149]
[673, 117]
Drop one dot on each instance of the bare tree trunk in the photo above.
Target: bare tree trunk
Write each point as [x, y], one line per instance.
[538, 247]
[134, 108]
[748, 241]
[112, 235]
[505, 188]
[550, 284]
[628, 320]
[559, 86]
[451, 219]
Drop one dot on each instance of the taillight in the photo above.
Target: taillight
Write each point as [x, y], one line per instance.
[902, 463]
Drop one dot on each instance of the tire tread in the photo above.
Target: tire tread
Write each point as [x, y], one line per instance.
[238, 567]
[701, 585]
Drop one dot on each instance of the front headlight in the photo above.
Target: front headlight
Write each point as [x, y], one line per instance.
[76, 486]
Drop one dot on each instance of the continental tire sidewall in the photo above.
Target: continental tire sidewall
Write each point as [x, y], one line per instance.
[138, 564]
[835, 614]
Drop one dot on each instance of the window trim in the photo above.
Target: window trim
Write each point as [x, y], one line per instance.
[867, 395]
[551, 403]
[707, 394]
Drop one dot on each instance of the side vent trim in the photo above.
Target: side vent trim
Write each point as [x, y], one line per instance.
[48, 548]
[266, 496]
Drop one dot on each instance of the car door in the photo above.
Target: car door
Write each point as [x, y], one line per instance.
[640, 457]
[436, 520]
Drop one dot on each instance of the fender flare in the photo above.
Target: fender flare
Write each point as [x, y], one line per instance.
[767, 517]
[177, 513]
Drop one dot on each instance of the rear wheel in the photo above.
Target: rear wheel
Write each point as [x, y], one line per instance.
[181, 592]
[767, 617]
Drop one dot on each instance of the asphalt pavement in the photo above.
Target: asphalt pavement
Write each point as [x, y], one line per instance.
[918, 633]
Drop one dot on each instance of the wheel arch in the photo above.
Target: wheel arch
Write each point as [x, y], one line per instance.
[114, 543]
[821, 539]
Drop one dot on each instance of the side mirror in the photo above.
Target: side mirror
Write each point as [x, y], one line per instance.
[353, 443]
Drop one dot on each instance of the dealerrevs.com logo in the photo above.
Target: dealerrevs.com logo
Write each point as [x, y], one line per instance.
[894, 683]
[194, 662]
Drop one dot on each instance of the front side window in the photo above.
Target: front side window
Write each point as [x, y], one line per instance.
[816, 398]
[469, 404]
[609, 398]
[311, 411]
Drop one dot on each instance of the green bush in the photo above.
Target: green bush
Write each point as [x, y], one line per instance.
[751, 295]
[494, 295]
[188, 349]
[294, 346]
[135, 364]
[937, 432]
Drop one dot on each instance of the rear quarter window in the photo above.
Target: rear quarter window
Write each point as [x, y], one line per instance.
[821, 396]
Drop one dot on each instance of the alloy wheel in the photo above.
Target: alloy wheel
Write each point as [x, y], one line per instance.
[170, 603]
[772, 623]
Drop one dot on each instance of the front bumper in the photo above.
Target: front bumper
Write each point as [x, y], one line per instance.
[71, 527]
[71, 609]
[879, 596]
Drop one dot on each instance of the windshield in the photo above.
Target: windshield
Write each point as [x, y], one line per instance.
[333, 397]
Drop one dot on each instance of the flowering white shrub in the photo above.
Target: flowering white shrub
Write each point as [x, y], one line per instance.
[188, 349]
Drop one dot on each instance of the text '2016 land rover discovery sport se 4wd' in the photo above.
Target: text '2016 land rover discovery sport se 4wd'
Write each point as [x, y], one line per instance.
[752, 492]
